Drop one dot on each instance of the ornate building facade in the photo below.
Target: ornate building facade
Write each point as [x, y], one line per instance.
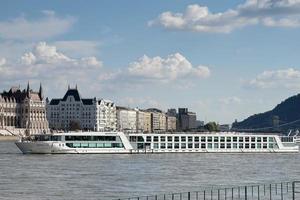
[23, 110]
[73, 112]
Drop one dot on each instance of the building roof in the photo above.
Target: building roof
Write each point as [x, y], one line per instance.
[76, 96]
[87, 101]
[74, 93]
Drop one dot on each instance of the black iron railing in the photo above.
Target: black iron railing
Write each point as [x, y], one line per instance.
[265, 191]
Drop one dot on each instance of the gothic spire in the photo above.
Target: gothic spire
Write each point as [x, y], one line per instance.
[28, 89]
[41, 91]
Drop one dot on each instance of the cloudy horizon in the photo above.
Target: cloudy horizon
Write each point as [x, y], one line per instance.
[224, 61]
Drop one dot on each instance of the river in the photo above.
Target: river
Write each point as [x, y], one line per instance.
[96, 176]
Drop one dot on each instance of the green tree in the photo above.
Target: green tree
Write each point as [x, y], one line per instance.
[211, 127]
[74, 125]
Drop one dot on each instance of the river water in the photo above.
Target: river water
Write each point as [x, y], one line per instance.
[97, 176]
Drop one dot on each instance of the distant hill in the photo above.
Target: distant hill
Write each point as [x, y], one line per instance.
[287, 111]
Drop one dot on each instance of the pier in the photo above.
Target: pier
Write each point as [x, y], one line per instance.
[263, 191]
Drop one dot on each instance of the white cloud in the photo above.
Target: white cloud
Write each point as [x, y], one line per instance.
[44, 54]
[47, 64]
[48, 26]
[2, 61]
[172, 67]
[272, 13]
[286, 78]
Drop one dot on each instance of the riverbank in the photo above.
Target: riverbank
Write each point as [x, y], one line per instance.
[8, 138]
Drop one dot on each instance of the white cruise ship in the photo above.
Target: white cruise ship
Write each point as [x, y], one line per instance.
[118, 142]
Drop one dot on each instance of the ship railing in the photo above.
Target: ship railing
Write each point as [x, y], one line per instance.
[263, 191]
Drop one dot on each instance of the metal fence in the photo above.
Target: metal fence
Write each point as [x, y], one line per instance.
[270, 191]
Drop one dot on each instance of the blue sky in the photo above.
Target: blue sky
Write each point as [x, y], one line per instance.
[224, 60]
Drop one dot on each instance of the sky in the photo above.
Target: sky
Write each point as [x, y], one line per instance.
[224, 60]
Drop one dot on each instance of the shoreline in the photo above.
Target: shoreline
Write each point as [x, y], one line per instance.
[8, 138]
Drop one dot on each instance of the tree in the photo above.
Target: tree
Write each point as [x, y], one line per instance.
[211, 127]
[74, 126]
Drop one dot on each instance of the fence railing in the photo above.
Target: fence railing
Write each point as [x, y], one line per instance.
[266, 191]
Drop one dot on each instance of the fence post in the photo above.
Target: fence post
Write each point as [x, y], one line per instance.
[189, 196]
[293, 189]
[245, 192]
[204, 195]
[281, 191]
[218, 194]
[258, 195]
[270, 191]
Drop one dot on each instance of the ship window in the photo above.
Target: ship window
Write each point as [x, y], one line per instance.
[169, 138]
[253, 146]
[132, 138]
[209, 145]
[100, 145]
[228, 139]
[203, 139]
[271, 145]
[246, 139]
[265, 146]
[259, 139]
[76, 145]
[69, 145]
[176, 139]
[271, 139]
[241, 139]
[203, 146]
[183, 145]
[162, 145]
[265, 139]
[216, 139]
[196, 139]
[140, 139]
[234, 139]
[259, 145]
[183, 139]
[140, 145]
[216, 145]
[176, 145]
[209, 139]
[117, 145]
[196, 145]
[228, 146]
[247, 145]
[148, 138]
[252, 139]
[235, 145]
[222, 146]
[55, 138]
[84, 145]
[155, 138]
[155, 145]
[190, 145]
[92, 145]
[222, 139]
[162, 138]
[241, 145]
[190, 139]
[170, 145]
[107, 145]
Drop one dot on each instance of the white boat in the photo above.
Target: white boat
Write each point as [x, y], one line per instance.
[118, 142]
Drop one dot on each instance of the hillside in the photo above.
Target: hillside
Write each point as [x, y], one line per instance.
[285, 112]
